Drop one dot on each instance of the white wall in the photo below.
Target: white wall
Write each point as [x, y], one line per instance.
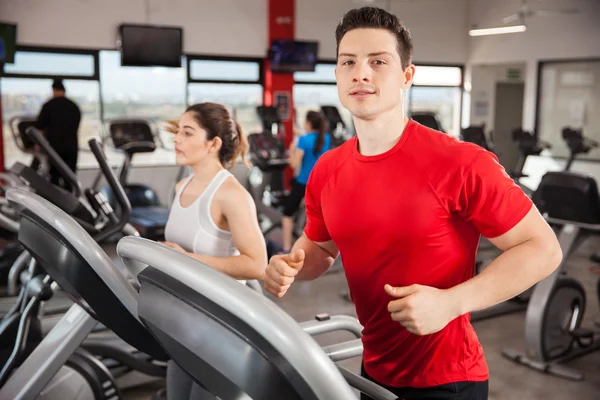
[228, 27]
[438, 28]
[231, 27]
[547, 37]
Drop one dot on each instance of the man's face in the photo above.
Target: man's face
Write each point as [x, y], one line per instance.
[369, 74]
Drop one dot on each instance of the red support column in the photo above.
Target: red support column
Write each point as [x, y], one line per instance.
[281, 17]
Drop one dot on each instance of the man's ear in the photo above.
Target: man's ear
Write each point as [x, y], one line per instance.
[409, 76]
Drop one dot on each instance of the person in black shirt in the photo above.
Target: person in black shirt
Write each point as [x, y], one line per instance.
[59, 120]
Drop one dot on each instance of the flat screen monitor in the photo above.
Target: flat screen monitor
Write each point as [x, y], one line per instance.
[8, 42]
[146, 46]
[293, 55]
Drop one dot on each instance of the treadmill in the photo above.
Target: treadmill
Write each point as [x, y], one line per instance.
[66, 362]
[336, 126]
[577, 144]
[148, 216]
[234, 342]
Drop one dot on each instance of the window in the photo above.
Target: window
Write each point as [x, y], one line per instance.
[240, 100]
[569, 96]
[154, 93]
[26, 86]
[312, 97]
[443, 101]
[218, 70]
[234, 83]
[323, 73]
[46, 63]
[437, 76]
[24, 97]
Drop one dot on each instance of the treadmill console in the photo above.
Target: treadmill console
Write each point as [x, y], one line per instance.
[576, 142]
[529, 145]
[132, 136]
[475, 135]
[267, 151]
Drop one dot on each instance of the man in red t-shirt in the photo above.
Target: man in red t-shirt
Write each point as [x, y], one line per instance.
[405, 206]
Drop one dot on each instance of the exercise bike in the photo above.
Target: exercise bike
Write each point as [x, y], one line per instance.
[135, 136]
[553, 331]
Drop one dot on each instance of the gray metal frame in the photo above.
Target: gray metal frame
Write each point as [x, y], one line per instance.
[570, 237]
[333, 323]
[270, 321]
[30, 379]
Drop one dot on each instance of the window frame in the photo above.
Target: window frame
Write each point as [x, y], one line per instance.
[56, 50]
[206, 57]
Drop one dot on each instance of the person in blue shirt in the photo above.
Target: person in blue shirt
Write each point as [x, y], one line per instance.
[303, 156]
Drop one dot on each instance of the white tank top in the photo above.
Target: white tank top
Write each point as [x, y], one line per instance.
[193, 228]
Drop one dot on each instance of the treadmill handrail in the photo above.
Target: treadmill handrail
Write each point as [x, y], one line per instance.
[55, 159]
[117, 190]
[76, 235]
[334, 323]
[264, 316]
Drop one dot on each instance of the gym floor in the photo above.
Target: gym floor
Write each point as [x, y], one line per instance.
[508, 381]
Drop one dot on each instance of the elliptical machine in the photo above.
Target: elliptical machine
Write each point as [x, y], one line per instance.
[553, 332]
[134, 136]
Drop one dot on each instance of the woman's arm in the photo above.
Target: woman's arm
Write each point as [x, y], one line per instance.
[240, 211]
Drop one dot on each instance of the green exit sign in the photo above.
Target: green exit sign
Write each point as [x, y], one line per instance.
[513, 74]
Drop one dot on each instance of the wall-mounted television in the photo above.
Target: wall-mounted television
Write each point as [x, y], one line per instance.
[8, 42]
[150, 46]
[293, 55]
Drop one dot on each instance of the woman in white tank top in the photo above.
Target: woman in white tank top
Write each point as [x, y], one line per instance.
[213, 217]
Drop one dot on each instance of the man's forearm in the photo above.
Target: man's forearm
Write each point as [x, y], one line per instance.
[509, 275]
[316, 262]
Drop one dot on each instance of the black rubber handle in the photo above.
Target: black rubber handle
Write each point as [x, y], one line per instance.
[55, 159]
[367, 387]
[116, 188]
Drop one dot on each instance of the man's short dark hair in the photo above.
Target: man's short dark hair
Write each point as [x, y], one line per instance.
[58, 85]
[373, 17]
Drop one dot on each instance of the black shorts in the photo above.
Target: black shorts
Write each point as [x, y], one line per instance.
[291, 204]
[454, 391]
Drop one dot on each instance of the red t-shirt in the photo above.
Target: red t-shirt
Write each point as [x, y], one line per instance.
[412, 215]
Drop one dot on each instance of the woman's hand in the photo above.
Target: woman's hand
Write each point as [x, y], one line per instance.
[175, 246]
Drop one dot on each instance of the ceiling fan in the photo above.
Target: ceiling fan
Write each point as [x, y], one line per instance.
[525, 11]
[519, 18]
